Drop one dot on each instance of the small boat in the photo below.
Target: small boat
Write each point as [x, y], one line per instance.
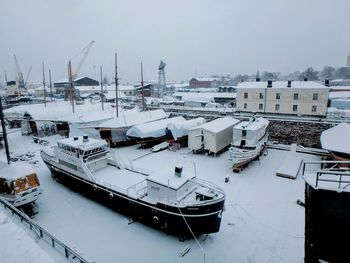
[249, 138]
[178, 203]
[19, 184]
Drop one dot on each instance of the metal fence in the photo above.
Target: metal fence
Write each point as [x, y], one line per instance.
[69, 253]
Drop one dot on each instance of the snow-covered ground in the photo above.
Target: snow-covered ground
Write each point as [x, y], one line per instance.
[261, 223]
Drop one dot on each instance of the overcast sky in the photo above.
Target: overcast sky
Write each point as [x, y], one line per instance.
[194, 37]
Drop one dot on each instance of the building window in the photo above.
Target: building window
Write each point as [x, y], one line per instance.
[260, 106]
[261, 96]
[295, 107]
[277, 107]
[296, 95]
[278, 96]
[245, 105]
[246, 95]
[314, 108]
[315, 96]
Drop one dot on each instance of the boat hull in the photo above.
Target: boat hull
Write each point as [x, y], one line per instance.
[183, 222]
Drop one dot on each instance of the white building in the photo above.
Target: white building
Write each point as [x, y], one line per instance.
[283, 97]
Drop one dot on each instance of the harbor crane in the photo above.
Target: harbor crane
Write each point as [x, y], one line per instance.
[86, 52]
[19, 74]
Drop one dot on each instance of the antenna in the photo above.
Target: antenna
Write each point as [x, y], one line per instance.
[70, 79]
[116, 82]
[143, 97]
[44, 84]
[101, 88]
[50, 84]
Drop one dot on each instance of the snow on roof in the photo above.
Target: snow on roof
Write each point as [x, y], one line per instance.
[204, 96]
[170, 180]
[89, 144]
[133, 117]
[337, 139]
[15, 171]
[282, 84]
[111, 94]
[62, 111]
[180, 129]
[219, 124]
[339, 94]
[253, 125]
[205, 79]
[153, 129]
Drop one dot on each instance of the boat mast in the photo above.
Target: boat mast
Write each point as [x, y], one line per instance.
[4, 134]
[50, 84]
[143, 98]
[70, 80]
[116, 83]
[44, 84]
[101, 87]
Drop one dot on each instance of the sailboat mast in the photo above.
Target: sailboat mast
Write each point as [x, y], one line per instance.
[44, 84]
[143, 97]
[70, 78]
[116, 84]
[101, 87]
[4, 134]
[50, 84]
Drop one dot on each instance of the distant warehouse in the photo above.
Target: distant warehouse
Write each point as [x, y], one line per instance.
[283, 97]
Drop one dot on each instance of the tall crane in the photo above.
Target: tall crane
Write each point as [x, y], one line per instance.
[86, 52]
[27, 77]
[19, 74]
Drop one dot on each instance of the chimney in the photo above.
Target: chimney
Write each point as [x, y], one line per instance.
[269, 83]
[326, 82]
[75, 138]
[305, 79]
[85, 138]
[178, 170]
[289, 84]
[257, 79]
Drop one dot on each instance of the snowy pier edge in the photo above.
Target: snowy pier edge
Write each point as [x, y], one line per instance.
[43, 234]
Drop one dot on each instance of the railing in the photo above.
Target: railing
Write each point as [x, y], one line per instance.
[62, 248]
[329, 171]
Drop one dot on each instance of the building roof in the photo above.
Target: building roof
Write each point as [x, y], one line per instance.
[204, 79]
[204, 96]
[337, 139]
[219, 124]
[282, 84]
[89, 144]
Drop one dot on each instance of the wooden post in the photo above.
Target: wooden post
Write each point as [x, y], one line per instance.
[50, 84]
[71, 84]
[4, 134]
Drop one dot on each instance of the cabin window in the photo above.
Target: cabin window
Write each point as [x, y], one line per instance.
[69, 165]
[277, 107]
[295, 107]
[260, 106]
[246, 95]
[296, 96]
[315, 96]
[314, 108]
[278, 96]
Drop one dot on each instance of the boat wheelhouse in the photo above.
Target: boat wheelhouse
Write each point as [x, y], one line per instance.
[249, 138]
[178, 203]
[19, 184]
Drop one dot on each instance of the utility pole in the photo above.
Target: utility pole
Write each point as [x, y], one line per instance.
[50, 84]
[5, 78]
[70, 77]
[101, 87]
[44, 84]
[116, 82]
[143, 96]
[4, 134]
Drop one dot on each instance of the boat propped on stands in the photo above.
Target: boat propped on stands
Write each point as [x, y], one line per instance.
[249, 138]
[179, 203]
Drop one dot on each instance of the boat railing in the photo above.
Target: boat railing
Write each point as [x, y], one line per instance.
[43, 234]
[235, 153]
[334, 172]
[138, 189]
[87, 171]
[95, 156]
[208, 185]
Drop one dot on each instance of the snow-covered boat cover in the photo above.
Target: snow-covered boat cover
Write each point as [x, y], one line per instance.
[180, 129]
[153, 129]
[337, 139]
[219, 124]
[256, 128]
[62, 111]
[133, 117]
[15, 171]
